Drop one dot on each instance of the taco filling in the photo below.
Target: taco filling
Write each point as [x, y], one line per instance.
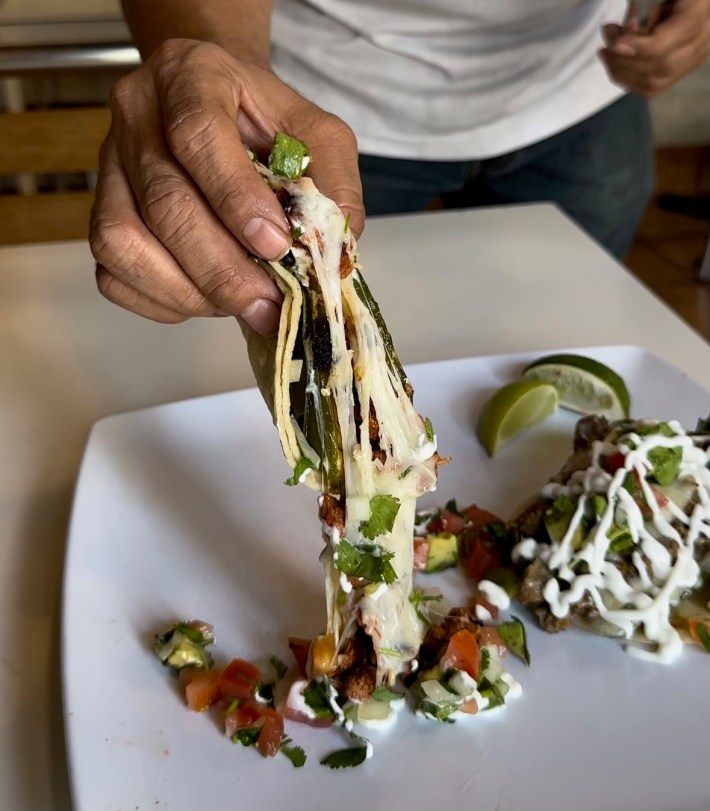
[343, 407]
[619, 540]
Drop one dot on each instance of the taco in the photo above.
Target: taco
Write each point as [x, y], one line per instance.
[618, 541]
[342, 405]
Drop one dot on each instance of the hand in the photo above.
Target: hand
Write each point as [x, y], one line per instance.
[179, 205]
[676, 41]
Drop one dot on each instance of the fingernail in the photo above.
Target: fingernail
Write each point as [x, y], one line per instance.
[622, 50]
[266, 238]
[262, 316]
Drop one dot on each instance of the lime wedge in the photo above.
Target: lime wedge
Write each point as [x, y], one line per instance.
[512, 409]
[584, 385]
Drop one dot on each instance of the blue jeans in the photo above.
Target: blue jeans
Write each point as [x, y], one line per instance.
[600, 172]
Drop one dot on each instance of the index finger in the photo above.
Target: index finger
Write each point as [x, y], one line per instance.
[200, 104]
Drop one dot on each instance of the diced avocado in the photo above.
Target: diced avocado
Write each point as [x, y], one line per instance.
[289, 157]
[184, 645]
[443, 552]
[506, 578]
[558, 518]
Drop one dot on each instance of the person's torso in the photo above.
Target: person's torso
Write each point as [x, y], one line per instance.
[446, 78]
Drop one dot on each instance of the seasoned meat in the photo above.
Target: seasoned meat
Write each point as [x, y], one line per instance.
[380, 455]
[346, 264]
[589, 430]
[373, 426]
[528, 522]
[584, 607]
[355, 651]
[549, 622]
[332, 512]
[534, 578]
[358, 683]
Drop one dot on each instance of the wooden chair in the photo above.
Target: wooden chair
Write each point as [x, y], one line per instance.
[49, 142]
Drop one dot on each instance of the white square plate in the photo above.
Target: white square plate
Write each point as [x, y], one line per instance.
[180, 513]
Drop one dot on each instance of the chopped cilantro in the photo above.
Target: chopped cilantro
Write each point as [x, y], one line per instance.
[452, 506]
[405, 473]
[485, 659]
[315, 694]
[429, 428]
[294, 753]
[296, 233]
[367, 561]
[383, 511]
[302, 466]
[345, 758]
[347, 222]
[513, 635]
[620, 539]
[417, 597]
[278, 666]
[247, 737]
[384, 694]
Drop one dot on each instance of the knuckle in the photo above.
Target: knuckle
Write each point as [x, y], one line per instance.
[113, 243]
[190, 130]
[122, 93]
[220, 281]
[168, 207]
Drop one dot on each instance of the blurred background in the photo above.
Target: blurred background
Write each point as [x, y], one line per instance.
[58, 61]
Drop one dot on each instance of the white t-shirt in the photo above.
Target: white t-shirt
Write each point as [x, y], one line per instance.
[447, 79]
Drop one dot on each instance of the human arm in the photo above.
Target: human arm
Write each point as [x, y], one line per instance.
[178, 205]
[647, 60]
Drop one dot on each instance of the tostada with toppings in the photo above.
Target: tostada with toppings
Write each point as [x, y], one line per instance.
[618, 541]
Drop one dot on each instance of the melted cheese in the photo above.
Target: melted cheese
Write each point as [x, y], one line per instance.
[385, 612]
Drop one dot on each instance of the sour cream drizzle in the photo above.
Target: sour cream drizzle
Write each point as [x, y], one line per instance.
[646, 599]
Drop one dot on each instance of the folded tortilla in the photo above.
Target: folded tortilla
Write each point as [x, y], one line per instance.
[343, 408]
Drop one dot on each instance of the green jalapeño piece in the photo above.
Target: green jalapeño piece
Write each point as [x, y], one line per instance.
[289, 157]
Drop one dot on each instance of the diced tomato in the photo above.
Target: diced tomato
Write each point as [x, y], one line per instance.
[661, 498]
[434, 526]
[451, 522]
[271, 734]
[488, 635]
[246, 714]
[301, 718]
[477, 516]
[421, 554]
[239, 679]
[478, 552]
[614, 462]
[462, 653]
[490, 608]
[299, 649]
[200, 687]
[470, 707]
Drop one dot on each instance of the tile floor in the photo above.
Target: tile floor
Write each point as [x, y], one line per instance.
[669, 246]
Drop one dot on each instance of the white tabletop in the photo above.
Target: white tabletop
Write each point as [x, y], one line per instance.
[449, 284]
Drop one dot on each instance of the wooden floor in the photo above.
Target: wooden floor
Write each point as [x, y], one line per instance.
[670, 246]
